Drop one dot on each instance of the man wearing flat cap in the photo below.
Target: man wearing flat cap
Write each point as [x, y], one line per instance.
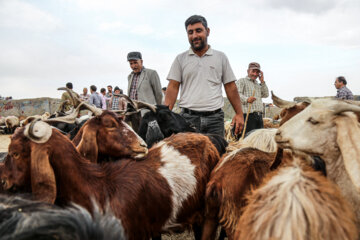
[143, 83]
[251, 92]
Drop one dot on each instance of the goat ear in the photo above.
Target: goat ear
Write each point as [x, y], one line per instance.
[43, 183]
[88, 144]
[348, 138]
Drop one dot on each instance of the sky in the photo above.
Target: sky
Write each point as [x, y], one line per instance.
[302, 46]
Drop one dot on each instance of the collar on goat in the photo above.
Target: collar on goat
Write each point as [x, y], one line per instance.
[38, 131]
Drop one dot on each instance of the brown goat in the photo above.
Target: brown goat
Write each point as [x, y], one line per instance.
[295, 202]
[232, 178]
[163, 192]
[108, 135]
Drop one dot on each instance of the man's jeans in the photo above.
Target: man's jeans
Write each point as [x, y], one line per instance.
[210, 124]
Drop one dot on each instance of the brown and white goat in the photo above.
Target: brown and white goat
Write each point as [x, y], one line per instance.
[295, 202]
[230, 181]
[163, 192]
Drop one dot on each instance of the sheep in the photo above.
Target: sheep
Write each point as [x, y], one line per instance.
[25, 219]
[329, 129]
[11, 123]
[164, 192]
[296, 202]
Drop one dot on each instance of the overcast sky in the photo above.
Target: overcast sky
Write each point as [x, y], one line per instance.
[302, 46]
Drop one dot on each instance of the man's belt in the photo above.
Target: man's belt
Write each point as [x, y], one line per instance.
[256, 113]
[201, 113]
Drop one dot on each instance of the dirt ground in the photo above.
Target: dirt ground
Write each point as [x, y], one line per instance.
[4, 142]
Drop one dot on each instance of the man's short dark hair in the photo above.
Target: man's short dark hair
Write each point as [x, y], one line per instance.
[93, 87]
[342, 79]
[109, 86]
[102, 90]
[69, 85]
[196, 19]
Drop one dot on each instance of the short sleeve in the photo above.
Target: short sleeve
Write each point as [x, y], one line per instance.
[175, 71]
[227, 74]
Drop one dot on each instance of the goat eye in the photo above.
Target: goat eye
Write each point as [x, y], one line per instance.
[15, 155]
[313, 121]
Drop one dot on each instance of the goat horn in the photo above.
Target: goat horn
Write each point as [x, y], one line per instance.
[343, 106]
[92, 108]
[280, 102]
[138, 104]
[75, 100]
[38, 131]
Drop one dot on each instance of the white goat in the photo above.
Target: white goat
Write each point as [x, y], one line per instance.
[329, 129]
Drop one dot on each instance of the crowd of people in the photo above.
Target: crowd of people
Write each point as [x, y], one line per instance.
[199, 74]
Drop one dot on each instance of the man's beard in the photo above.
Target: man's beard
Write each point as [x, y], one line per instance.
[199, 47]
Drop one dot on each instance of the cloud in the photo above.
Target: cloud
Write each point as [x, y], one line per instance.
[304, 6]
[22, 15]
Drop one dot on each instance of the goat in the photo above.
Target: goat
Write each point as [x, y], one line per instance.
[329, 129]
[25, 219]
[262, 139]
[163, 192]
[296, 202]
[107, 135]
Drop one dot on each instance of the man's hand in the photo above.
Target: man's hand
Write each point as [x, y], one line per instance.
[238, 122]
[251, 99]
[261, 77]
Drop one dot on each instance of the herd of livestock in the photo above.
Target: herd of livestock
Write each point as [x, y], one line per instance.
[95, 177]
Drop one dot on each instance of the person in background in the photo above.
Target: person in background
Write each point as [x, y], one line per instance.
[85, 96]
[342, 91]
[143, 83]
[109, 92]
[66, 97]
[247, 87]
[95, 98]
[202, 71]
[103, 98]
[117, 102]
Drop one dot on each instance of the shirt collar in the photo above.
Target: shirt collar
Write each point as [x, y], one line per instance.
[248, 78]
[209, 52]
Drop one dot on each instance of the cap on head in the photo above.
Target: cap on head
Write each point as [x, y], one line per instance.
[134, 56]
[254, 65]
[116, 88]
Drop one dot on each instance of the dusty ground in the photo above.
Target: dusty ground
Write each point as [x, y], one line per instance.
[4, 142]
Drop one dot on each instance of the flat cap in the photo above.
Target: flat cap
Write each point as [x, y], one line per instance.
[134, 56]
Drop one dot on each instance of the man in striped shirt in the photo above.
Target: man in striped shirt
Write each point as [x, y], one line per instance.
[251, 92]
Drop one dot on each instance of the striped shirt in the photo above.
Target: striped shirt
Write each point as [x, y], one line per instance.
[245, 87]
[344, 93]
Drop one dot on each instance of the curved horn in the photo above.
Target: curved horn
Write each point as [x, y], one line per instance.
[92, 108]
[280, 102]
[138, 104]
[75, 100]
[38, 131]
[345, 107]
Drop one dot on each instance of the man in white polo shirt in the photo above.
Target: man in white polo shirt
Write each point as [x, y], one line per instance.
[201, 71]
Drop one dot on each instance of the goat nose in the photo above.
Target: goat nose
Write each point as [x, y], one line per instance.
[143, 144]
